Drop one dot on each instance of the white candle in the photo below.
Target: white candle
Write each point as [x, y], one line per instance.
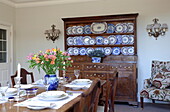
[19, 70]
[64, 65]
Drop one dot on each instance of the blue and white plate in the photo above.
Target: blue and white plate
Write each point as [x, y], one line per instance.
[130, 50]
[110, 28]
[107, 50]
[75, 51]
[74, 30]
[70, 50]
[69, 31]
[125, 39]
[92, 41]
[116, 51]
[124, 50]
[75, 40]
[87, 29]
[79, 29]
[131, 39]
[100, 48]
[88, 50]
[86, 40]
[130, 27]
[79, 40]
[119, 28]
[70, 41]
[125, 28]
[106, 41]
[82, 51]
[112, 39]
[98, 27]
[119, 39]
[99, 40]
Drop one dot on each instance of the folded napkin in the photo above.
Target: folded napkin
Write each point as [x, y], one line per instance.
[73, 86]
[38, 82]
[25, 86]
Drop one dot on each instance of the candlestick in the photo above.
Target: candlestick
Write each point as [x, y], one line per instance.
[19, 70]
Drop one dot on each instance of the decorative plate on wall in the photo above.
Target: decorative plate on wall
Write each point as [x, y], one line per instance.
[86, 40]
[119, 28]
[92, 41]
[69, 30]
[107, 50]
[116, 51]
[106, 41]
[70, 41]
[99, 40]
[112, 39]
[131, 39]
[87, 29]
[82, 51]
[98, 28]
[130, 27]
[110, 28]
[125, 39]
[88, 50]
[80, 29]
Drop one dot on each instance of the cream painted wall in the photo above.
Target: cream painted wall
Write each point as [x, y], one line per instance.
[7, 17]
[32, 22]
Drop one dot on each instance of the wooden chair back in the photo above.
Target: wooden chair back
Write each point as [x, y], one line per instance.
[24, 74]
[90, 98]
[110, 93]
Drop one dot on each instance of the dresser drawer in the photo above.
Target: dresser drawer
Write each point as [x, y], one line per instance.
[93, 75]
[95, 67]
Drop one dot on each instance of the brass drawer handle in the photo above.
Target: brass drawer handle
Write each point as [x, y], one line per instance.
[94, 66]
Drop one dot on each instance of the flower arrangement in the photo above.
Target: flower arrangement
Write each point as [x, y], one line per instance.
[96, 53]
[50, 61]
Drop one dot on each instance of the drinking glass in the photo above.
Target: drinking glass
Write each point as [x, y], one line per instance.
[4, 89]
[77, 73]
[46, 83]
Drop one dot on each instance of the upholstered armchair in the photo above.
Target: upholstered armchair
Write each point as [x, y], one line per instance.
[158, 86]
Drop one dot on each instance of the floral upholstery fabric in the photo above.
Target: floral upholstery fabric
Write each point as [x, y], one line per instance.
[158, 86]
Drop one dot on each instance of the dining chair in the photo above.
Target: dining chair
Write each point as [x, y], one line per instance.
[90, 98]
[24, 74]
[110, 93]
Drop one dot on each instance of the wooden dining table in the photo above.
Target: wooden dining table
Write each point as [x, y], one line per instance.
[9, 106]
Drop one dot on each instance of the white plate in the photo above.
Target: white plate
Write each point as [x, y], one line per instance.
[107, 50]
[98, 28]
[130, 50]
[130, 27]
[81, 81]
[59, 95]
[79, 29]
[124, 50]
[125, 39]
[112, 39]
[119, 28]
[36, 107]
[25, 86]
[11, 92]
[86, 40]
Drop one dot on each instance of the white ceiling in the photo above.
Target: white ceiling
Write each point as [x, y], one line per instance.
[30, 3]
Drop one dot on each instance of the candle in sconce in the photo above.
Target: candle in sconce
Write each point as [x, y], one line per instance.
[19, 70]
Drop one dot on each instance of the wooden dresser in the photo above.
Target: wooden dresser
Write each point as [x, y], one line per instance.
[125, 63]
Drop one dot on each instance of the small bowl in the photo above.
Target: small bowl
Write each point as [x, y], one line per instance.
[31, 91]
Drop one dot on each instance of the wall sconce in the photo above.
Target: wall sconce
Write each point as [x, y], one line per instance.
[52, 34]
[156, 29]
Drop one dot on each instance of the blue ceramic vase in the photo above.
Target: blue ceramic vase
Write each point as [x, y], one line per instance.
[52, 80]
[96, 59]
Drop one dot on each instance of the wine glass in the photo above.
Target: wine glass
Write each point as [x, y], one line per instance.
[46, 83]
[77, 73]
[3, 90]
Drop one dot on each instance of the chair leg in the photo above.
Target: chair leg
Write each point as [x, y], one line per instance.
[141, 102]
[153, 100]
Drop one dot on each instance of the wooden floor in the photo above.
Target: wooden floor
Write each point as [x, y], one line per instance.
[148, 107]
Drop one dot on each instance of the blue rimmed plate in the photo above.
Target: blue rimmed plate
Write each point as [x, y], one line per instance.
[79, 40]
[92, 41]
[130, 27]
[88, 50]
[125, 28]
[130, 50]
[125, 39]
[70, 41]
[131, 39]
[119, 39]
[86, 40]
[99, 40]
[75, 40]
[107, 50]
[116, 51]
[110, 28]
[106, 41]
[98, 27]
[87, 29]
[75, 51]
[82, 51]
[74, 30]
[124, 50]
[69, 31]
[70, 50]
[79, 29]
[119, 28]
[112, 39]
